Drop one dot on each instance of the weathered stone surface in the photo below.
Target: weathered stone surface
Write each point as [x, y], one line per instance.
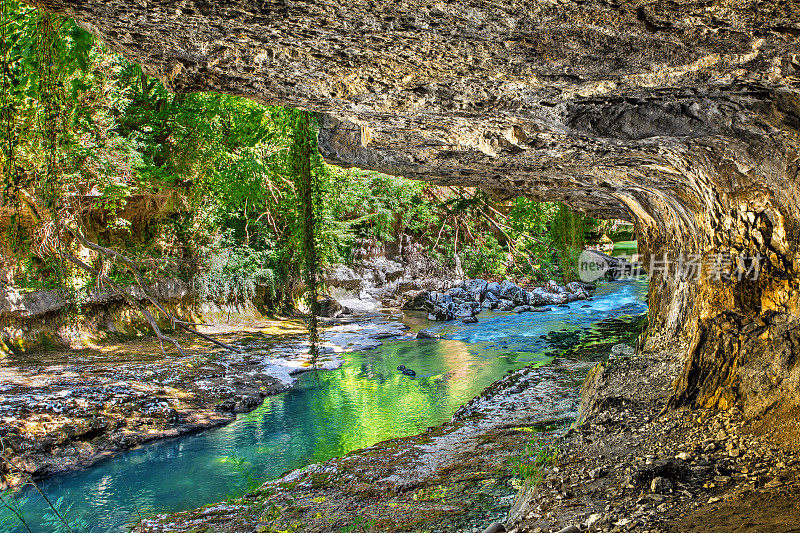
[343, 277]
[17, 304]
[477, 288]
[680, 116]
[414, 300]
[541, 296]
[14, 303]
[50, 317]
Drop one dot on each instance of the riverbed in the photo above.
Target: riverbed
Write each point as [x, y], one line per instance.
[328, 414]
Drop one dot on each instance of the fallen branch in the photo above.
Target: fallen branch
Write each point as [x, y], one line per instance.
[128, 299]
[183, 324]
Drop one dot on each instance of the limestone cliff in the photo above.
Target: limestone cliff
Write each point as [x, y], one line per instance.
[681, 116]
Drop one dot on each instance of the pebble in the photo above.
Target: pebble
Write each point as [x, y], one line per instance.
[660, 485]
[592, 520]
[598, 472]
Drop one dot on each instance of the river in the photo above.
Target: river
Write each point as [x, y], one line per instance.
[326, 415]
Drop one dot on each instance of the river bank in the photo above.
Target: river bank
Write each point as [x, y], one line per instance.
[64, 410]
[453, 477]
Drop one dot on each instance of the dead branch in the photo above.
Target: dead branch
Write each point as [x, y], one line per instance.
[108, 252]
[128, 299]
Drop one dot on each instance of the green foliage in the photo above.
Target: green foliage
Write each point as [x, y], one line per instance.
[11, 511]
[233, 275]
[58, 97]
[380, 206]
[534, 460]
[40, 273]
[486, 258]
[57, 520]
[567, 229]
[359, 523]
[246, 471]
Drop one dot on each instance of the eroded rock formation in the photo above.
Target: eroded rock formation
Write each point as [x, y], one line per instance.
[682, 116]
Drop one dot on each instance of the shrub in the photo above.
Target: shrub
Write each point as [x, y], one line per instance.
[234, 274]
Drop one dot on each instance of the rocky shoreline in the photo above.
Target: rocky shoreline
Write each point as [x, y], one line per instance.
[61, 411]
[466, 299]
[631, 464]
[626, 464]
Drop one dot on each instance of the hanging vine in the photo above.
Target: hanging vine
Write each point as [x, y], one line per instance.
[9, 171]
[50, 180]
[301, 154]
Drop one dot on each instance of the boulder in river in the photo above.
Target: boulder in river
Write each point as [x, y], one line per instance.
[466, 298]
[508, 290]
[428, 334]
[493, 288]
[440, 314]
[554, 287]
[505, 305]
[578, 286]
[612, 267]
[540, 296]
[436, 297]
[414, 300]
[489, 304]
[465, 310]
[456, 292]
[476, 288]
[328, 306]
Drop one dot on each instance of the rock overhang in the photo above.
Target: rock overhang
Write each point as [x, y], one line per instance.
[514, 96]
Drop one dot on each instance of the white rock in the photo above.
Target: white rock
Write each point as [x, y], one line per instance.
[593, 519]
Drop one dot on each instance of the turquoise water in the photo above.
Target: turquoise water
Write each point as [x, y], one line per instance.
[328, 414]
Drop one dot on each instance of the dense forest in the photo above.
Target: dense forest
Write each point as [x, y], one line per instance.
[106, 175]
